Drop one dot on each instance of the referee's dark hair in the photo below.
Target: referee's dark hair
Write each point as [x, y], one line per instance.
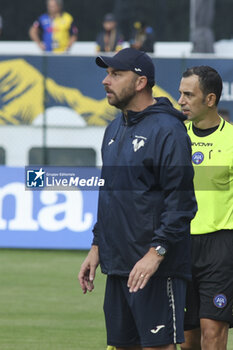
[209, 79]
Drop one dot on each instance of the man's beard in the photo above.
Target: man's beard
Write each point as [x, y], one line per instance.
[123, 102]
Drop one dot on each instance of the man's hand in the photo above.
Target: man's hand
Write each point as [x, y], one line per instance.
[41, 45]
[87, 272]
[143, 270]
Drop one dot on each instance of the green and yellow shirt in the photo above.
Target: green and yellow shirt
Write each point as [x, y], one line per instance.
[212, 158]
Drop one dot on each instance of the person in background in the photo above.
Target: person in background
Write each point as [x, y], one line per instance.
[142, 37]
[0, 24]
[110, 38]
[142, 235]
[55, 30]
[209, 303]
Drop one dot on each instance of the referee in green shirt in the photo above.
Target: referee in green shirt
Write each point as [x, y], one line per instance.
[209, 305]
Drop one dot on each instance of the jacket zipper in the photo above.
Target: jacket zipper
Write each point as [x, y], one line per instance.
[122, 139]
[118, 152]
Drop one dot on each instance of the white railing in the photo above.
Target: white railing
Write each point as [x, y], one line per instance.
[223, 48]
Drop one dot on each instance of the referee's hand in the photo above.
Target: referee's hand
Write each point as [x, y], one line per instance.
[143, 270]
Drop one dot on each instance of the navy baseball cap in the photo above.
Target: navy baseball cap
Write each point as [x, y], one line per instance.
[130, 59]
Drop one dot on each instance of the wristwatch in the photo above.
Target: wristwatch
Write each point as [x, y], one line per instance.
[160, 250]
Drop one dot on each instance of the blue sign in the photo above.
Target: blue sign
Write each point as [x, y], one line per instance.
[51, 219]
[75, 83]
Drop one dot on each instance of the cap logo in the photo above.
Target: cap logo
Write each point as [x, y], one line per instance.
[137, 69]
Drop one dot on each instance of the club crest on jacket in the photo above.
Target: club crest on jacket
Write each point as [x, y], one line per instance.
[138, 143]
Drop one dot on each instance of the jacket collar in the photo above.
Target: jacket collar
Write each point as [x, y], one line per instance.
[162, 105]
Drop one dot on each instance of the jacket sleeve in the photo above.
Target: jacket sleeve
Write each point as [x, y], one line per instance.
[95, 234]
[95, 230]
[176, 182]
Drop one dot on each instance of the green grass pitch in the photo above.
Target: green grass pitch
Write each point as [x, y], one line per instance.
[42, 306]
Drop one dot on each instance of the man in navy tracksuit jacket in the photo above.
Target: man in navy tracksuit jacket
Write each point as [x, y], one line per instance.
[141, 238]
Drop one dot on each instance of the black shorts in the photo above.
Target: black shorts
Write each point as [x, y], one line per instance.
[210, 294]
[151, 317]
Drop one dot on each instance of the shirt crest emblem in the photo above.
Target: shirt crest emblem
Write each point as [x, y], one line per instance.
[138, 142]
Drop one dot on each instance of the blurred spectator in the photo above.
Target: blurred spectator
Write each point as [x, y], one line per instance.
[225, 114]
[202, 18]
[55, 30]
[0, 24]
[142, 37]
[110, 38]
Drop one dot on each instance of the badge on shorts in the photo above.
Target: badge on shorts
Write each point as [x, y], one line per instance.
[220, 301]
[197, 158]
